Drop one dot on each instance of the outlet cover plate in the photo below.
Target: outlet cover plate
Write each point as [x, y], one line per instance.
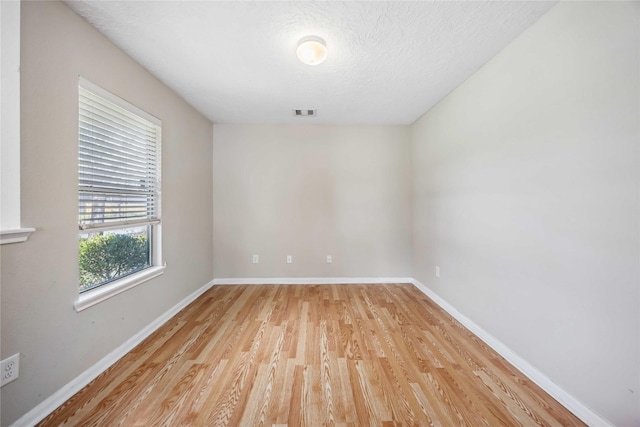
[10, 368]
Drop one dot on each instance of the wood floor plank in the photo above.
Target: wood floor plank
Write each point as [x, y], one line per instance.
[321, 355]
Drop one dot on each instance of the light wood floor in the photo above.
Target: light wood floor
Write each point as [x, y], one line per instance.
[300, 355]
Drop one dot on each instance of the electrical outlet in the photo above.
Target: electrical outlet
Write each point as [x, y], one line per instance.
[329, 259]
[256, 259]
[10, 369]
[289, 259]
[438, 271]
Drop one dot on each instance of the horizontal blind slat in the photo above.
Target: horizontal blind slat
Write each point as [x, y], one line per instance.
[104, 107]
[92, 143]
[113, 128]
[94, 161]
[101, 102]
[141, 178]
[114, 135]
[113, 171]
[106, 192]
[118, 223]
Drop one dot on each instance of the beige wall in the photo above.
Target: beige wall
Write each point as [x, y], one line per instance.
[39, 277]
[522, 185]
[311, 191]
[526, 185]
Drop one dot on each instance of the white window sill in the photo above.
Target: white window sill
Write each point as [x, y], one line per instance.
[17, 235]
[104, 292]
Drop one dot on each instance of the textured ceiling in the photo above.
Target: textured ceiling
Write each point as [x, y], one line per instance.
[388, 63]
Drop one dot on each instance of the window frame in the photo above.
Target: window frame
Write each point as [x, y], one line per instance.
[157, 266]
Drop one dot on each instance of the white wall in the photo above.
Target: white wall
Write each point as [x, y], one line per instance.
[311, 191]
[526, 194]
[40, 277]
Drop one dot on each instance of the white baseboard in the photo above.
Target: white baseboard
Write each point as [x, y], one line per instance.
[311, 280]
[579, 409]
[50, 404]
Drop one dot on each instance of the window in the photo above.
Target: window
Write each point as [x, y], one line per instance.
[118, 193]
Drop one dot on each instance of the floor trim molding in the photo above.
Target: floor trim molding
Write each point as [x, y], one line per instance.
[50, 404]
[580, 410]
[310, 280]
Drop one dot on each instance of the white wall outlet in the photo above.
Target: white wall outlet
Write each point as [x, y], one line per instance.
[10, 369]
[256, 259]
[289, 259]
[329, 259]
[438, 271]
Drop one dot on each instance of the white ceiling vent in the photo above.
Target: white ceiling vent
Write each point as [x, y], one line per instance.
[299, 112]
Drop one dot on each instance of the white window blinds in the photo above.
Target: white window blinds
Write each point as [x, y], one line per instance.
[118, 161]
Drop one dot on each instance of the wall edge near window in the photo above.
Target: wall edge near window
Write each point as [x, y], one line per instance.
[11, 230]
[104, 292]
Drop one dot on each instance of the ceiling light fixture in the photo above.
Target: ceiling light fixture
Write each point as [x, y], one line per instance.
[312, 50]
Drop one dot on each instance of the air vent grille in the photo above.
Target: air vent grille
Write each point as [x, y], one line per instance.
[304, 112]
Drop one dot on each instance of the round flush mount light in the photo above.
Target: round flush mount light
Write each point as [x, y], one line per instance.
[312, 50]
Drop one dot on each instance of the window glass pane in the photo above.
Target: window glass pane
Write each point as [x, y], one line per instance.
[109, 255]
